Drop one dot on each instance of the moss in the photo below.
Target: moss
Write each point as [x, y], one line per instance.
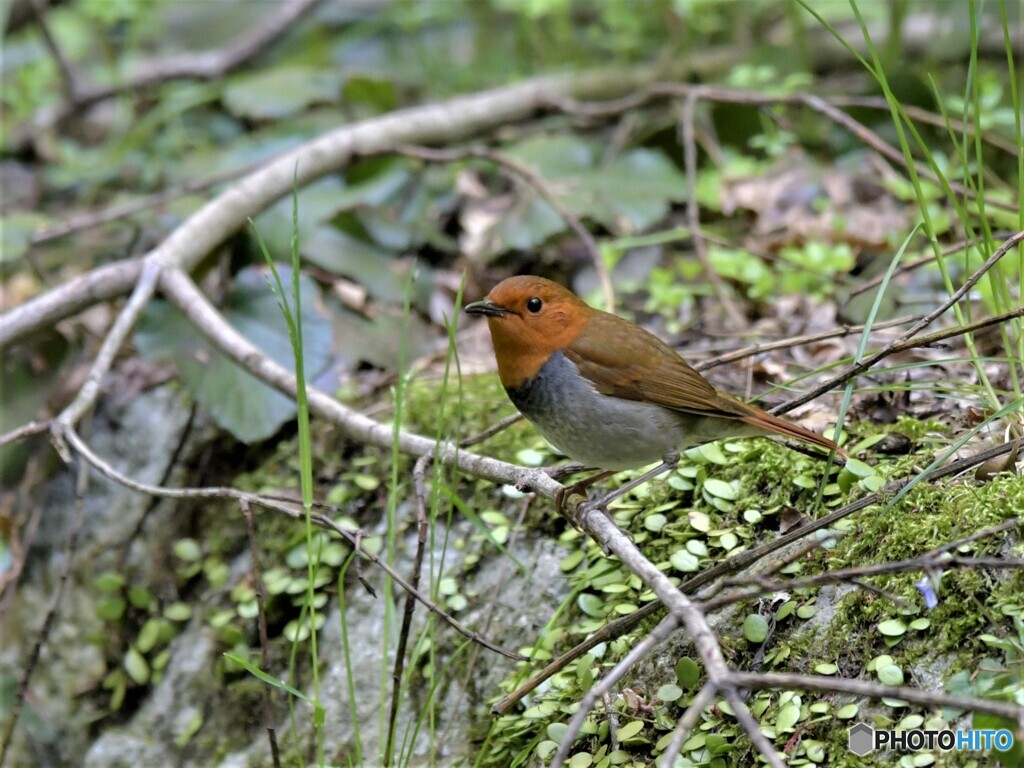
[927, 516]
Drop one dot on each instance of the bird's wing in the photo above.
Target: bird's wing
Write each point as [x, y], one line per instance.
[623, 360]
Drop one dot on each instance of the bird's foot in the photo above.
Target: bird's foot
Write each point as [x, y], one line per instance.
[580, 487]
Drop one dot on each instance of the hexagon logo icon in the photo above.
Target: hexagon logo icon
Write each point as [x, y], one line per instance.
[861, 739]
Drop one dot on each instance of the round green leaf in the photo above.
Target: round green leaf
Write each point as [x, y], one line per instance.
[136, 667]
[892, 628]
[890, 675]
[697, 547]
[789, 714]
[847, 712]
[591, 604]
[721, 489]
[687, 673]
[629, 730]
[755, 628]
[699, 521]
[655, 522]
[684, 561]
[669, 692]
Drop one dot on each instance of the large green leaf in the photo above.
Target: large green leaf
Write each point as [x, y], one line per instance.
[246, 407]
[628, 194]
[280, 92]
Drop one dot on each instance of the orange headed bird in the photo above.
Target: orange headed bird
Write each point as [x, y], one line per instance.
[603, 390]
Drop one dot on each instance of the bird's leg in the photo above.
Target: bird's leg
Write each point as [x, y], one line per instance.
[667, 464]
[577, 487]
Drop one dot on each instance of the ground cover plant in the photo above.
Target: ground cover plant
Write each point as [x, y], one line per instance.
[264, 501]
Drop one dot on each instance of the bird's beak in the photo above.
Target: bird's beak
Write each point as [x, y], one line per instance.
[486, 308]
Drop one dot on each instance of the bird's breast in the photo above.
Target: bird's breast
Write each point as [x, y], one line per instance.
[595, 429]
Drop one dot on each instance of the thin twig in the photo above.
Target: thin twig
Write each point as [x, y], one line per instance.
[689, 144]
[750, 725]
[907, 337]
[796, 341]
[734, 564]
[536, 181]
[686, 723]
[194, 65]
[116, 336]
[68, 81]
[218, 219]
[651, 641]
[25, 430]
[114, 213]
[422, 531]
[764, 586]
[829, 684]
[322, 521]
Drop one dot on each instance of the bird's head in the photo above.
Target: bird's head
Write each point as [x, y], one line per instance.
[530, 319]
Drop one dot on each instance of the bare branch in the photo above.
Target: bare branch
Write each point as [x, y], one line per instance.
[761, 680]
[208, 227]
[207, 65]
[354, 537]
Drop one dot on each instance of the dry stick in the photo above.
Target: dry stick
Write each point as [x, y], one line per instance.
[609, 631]
[114, 213]
[598, 525]
[25, 430]
[219, 218]
[71, 547]
[731, 96]
[982, 534]
[931, 118]
[860, 367]
[796, 341]
[910, 266]
[90, 390]
[613, 721]
[762, 680]
[181, 290]
[896, 600]
[422, 530]
[194, 65]
[658, 635]
[261, 621]
[751, 726]
[43, 312]
[763, 586]
[68, 80]
[491, 431]
[686, 138]
[685, 725]
[322, 521]
[19, 540]
[537, 182]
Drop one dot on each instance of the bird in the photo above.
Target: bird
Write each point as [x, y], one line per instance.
[606, 392]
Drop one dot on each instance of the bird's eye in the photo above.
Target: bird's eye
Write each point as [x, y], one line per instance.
[534, 305]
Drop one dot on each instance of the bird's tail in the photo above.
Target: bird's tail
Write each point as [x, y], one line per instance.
[755, 417]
